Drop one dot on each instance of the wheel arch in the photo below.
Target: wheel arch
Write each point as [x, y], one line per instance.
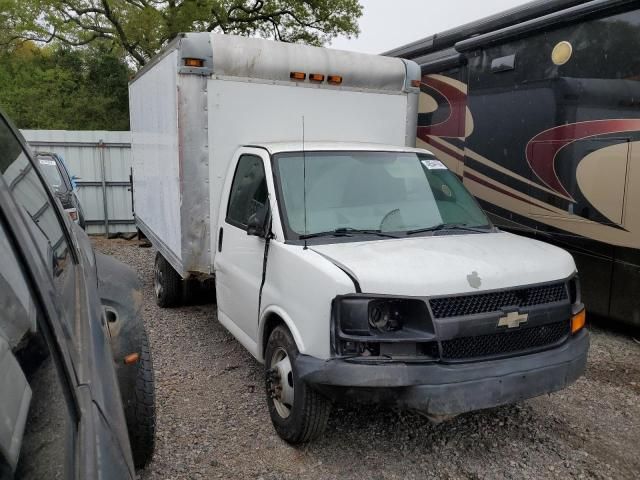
[270, 319]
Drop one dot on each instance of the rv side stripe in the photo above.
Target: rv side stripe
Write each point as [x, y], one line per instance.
[492, 186]
[485, 161]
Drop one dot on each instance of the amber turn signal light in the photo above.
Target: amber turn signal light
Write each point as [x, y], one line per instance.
[316, 77]
[131, 358]
[334, 79]
[194, 62]
[297, 75]
[578, 321]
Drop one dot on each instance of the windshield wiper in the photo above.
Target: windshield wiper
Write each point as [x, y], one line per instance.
[451, 226]
[347, 232]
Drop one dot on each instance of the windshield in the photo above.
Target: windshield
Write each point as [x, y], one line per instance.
[375, 191]
[52, 174]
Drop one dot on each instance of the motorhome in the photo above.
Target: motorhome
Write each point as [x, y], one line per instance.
[349, 262]
[537, 110]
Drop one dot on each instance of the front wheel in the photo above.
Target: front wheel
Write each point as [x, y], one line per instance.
[142, 416]
[298, 413]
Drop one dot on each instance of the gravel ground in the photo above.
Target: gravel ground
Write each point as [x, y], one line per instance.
[213, 421]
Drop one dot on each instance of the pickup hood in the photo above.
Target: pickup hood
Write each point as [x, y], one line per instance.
[449, 264]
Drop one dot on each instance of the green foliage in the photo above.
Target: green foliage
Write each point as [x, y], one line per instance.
[59, 88]
[79, 79]
[140, 28]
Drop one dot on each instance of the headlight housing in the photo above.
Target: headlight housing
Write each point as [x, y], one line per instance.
[376, 325]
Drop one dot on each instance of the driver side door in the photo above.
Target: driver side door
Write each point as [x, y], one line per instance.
[239, 260]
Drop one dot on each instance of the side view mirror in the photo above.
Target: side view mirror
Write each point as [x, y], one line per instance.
[256, 226]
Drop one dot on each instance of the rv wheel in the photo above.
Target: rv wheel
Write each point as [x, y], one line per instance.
[167, 284]
[298, 413]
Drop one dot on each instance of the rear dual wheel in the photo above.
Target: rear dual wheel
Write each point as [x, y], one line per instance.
[298, 413]
[167, 284]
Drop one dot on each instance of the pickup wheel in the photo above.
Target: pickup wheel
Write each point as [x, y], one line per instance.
[167, 284]
[140, 413]
[298, 413]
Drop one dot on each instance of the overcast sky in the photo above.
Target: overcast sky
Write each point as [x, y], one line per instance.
[387, 24]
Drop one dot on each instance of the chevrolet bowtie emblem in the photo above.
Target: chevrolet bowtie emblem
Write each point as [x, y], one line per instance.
[513, 320]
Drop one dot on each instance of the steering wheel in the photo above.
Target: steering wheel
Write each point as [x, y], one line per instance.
[388, 215]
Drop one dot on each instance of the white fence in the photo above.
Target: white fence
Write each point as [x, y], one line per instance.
[102, 160]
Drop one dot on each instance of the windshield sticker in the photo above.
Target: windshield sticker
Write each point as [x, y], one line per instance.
[48, 162]
[434, 164]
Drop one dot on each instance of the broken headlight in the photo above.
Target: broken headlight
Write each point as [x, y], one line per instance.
[363, 323]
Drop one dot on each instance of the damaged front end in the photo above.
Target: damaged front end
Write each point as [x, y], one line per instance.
[448, 355]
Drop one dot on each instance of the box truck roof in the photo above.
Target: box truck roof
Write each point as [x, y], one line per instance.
[279, 147]
[213, 54]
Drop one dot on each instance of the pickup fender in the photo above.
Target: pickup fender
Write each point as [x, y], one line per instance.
[121, 298]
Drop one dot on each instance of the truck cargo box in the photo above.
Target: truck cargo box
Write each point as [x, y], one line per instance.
[207, 95]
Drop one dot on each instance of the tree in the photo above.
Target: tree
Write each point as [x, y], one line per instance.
[140, 28]
[61, 88]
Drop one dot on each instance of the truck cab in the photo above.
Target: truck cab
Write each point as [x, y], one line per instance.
[369, 272]
[350, 263]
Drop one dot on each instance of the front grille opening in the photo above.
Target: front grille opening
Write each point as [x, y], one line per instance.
[505, 342]
[491, 302]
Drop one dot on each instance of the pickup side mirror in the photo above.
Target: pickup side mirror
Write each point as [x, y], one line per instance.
[257, 224]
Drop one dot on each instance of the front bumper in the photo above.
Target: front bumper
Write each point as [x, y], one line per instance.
[441, 389]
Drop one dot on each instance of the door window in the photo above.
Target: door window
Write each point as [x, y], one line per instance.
[38, 427]
[39, 211]
[248, 191]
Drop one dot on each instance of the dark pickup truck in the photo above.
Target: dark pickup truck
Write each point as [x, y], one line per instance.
[76, 379]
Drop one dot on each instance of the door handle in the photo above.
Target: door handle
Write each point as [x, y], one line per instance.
[220, 235]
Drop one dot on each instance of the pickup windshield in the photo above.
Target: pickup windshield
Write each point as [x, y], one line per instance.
[372, 192]
[52, 174]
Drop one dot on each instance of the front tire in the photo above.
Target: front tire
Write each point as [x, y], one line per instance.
[167, 284]
[299, 413]
[140, 412]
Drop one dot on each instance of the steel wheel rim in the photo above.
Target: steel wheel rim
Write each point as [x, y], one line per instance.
[157, 281]
[283, 393]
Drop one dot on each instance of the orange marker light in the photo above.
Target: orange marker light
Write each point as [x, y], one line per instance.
[316, 77]
[578, 321]
[131, 358]
[415, 83]
[334, 79]
[194, 62]
[297, 75]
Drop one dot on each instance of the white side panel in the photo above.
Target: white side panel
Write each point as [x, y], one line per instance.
[243, 113]
[156, 164]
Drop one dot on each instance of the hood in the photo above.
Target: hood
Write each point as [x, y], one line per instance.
[449, 264]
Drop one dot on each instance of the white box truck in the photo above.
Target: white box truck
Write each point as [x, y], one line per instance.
[348, 262]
